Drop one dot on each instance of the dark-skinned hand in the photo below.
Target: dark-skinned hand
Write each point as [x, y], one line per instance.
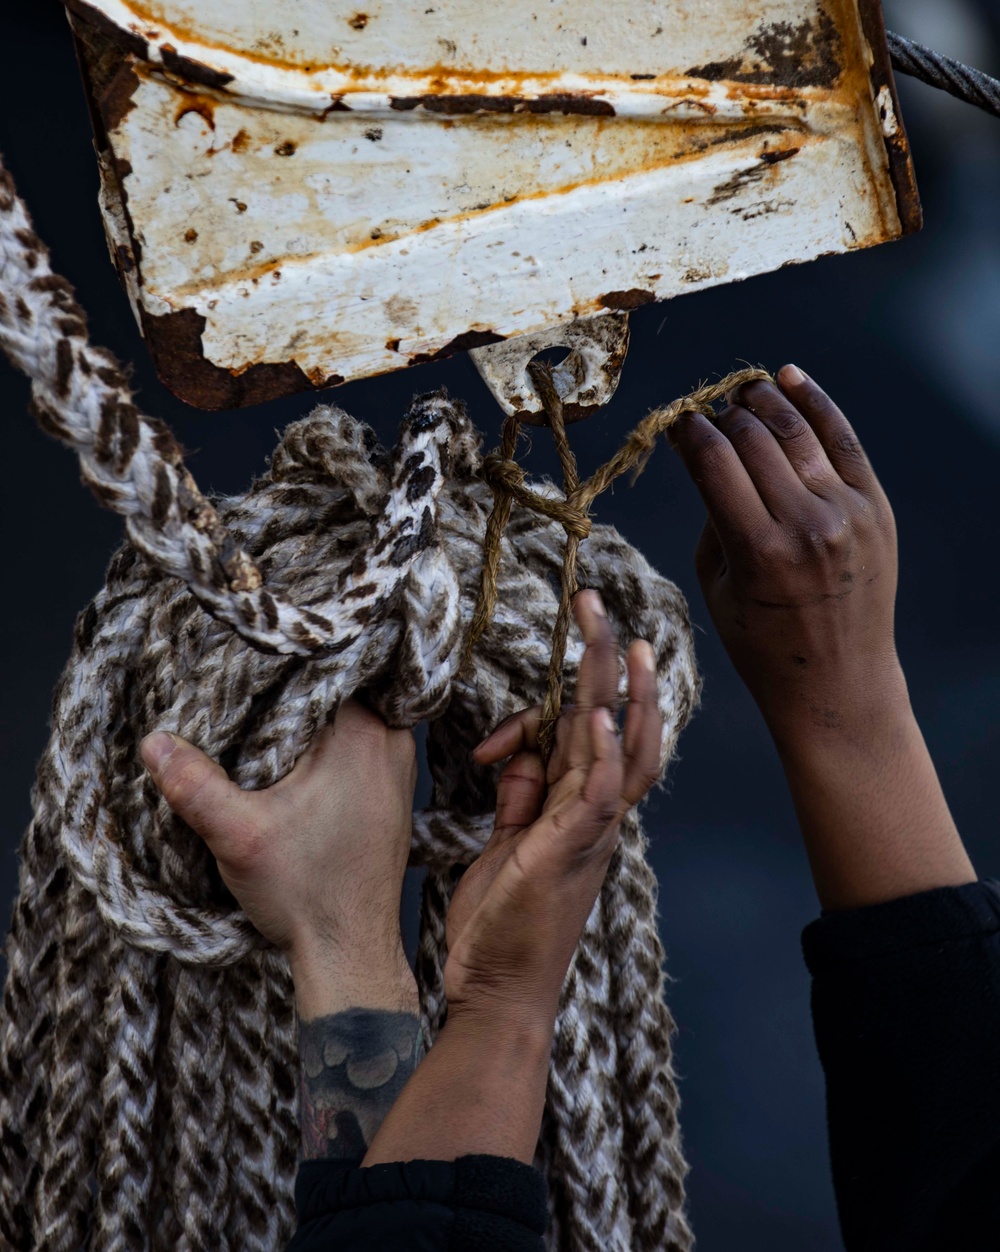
[518, 912]
[797, 560]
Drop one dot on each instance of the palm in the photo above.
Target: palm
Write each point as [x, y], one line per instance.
[555, 829]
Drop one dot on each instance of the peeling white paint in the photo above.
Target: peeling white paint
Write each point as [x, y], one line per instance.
[355, 240]
[887, 112]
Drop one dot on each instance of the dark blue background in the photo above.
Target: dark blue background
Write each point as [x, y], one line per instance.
[904, 336]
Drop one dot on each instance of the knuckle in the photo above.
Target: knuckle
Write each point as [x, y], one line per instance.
[823, 535]
[846, 444]
[813, 468]
[604, 808]
[743, 427]
[245, 849]
[184, 781]
[788, 425]
[710, 451]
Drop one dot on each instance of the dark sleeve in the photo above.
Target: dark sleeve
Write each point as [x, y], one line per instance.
[906, 1009]
[474, 1204]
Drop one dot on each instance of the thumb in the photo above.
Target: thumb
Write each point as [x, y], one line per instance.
[520, 794]
[200, 792]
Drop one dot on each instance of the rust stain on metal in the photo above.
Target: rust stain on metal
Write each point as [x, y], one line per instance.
[556, 102]
[782, 154]
[104, 26]
[634, 298]
[461, 158]
[901, 167]
[175, 342]
[202, 105]
[782, 54]
[106, 59]
[193, 71]
[752, 174]
[461, 343]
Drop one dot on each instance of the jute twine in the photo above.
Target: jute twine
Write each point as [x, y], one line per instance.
[506, 479]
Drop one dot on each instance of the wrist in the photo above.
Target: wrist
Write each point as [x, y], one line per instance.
[511, 1034]
[329, 978]
[845, 712]
[479, 1090]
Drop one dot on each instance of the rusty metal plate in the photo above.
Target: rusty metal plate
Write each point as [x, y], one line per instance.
[299, 192]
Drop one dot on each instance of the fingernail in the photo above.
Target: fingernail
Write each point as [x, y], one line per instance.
[646, 658]
[606, 721]
[156, 748]
[792, 375]
[597, 604]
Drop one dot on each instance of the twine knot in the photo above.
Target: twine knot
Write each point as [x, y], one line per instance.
[506, 479]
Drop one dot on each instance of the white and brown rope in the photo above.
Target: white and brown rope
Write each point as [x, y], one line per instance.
[147, 1051]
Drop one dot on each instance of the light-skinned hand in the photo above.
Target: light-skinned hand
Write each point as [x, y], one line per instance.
[317, 860]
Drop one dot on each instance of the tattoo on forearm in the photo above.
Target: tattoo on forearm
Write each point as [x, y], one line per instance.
[354, 1065]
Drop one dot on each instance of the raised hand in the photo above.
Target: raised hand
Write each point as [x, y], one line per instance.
[797, 562]
[517, 914]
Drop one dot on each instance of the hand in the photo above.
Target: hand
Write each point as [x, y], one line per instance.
[797, 560]
[798, 565]
[316, 861]
[518, 912]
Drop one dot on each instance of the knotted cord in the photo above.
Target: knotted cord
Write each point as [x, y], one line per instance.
[508, 484]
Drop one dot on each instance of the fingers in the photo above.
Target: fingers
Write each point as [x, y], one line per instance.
[733, 501]
[833, 430]
[597, 685]
[603, 788]
[709, 558]
[788, 434]
[769, 469]
[597, 680]
[584, 823]
[200, 792]
[517, 733]
[520, 793]
[643, 725]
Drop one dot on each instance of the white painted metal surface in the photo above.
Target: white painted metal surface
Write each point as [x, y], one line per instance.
[304, 191]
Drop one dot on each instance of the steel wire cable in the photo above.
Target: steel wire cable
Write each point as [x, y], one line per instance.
[937, 70]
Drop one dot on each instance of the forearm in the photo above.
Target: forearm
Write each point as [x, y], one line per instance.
[480, 1090]
[359, 1042]
[874, 819]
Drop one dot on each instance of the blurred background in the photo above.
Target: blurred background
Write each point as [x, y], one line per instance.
[905, 336]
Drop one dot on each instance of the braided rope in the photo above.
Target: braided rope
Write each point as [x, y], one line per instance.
[242, 624]
[937, 70]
